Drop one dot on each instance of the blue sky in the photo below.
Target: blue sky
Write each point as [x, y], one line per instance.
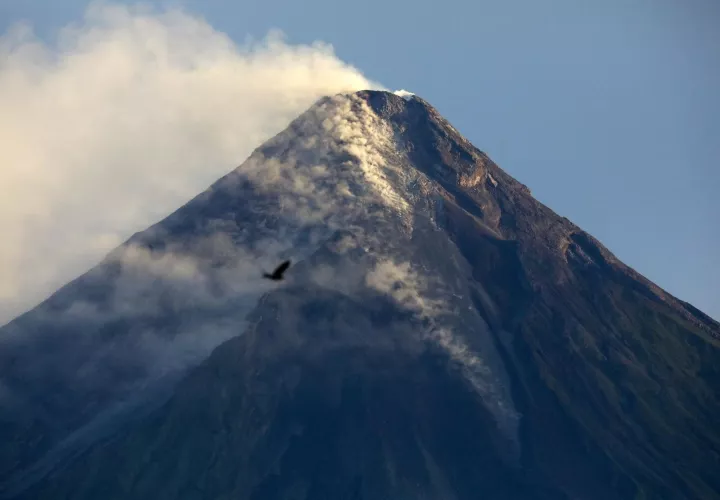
[608, 110]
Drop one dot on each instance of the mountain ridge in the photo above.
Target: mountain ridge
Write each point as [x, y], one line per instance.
[550, 330]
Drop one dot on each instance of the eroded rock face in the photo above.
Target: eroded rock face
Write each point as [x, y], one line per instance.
[443, 335]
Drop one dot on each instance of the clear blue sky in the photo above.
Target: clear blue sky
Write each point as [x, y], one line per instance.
[608, 110]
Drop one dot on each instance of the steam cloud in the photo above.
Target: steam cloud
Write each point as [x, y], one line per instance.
[410, 289]
[128, 115]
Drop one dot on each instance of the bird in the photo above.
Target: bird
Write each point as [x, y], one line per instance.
[277, 274]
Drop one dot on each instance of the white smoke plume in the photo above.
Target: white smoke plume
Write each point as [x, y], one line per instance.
[124, 118]
[410, 289]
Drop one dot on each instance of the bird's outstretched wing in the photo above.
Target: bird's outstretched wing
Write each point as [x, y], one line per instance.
[278, 272]
[281, 268]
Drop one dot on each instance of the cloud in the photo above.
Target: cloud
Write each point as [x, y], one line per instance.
[124, 118]
[404, 285]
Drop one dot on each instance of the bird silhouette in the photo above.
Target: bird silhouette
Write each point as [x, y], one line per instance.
[277, 274]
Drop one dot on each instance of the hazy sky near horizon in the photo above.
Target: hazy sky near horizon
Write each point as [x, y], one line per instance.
[609, 111]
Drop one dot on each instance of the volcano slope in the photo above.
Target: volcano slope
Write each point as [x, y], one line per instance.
[442, 335]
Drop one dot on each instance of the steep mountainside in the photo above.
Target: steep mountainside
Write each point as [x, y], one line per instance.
[442, 335]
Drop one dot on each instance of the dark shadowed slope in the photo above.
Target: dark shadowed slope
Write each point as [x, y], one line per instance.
[442, 335]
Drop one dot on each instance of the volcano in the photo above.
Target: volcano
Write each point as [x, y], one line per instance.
[441, 334]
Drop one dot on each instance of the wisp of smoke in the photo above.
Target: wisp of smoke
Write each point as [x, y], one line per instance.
[409, 289]
[124, 118]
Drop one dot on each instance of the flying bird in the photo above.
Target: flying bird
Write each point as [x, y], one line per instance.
[277, 274]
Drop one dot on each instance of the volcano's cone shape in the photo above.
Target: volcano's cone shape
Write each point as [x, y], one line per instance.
[444, 336]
